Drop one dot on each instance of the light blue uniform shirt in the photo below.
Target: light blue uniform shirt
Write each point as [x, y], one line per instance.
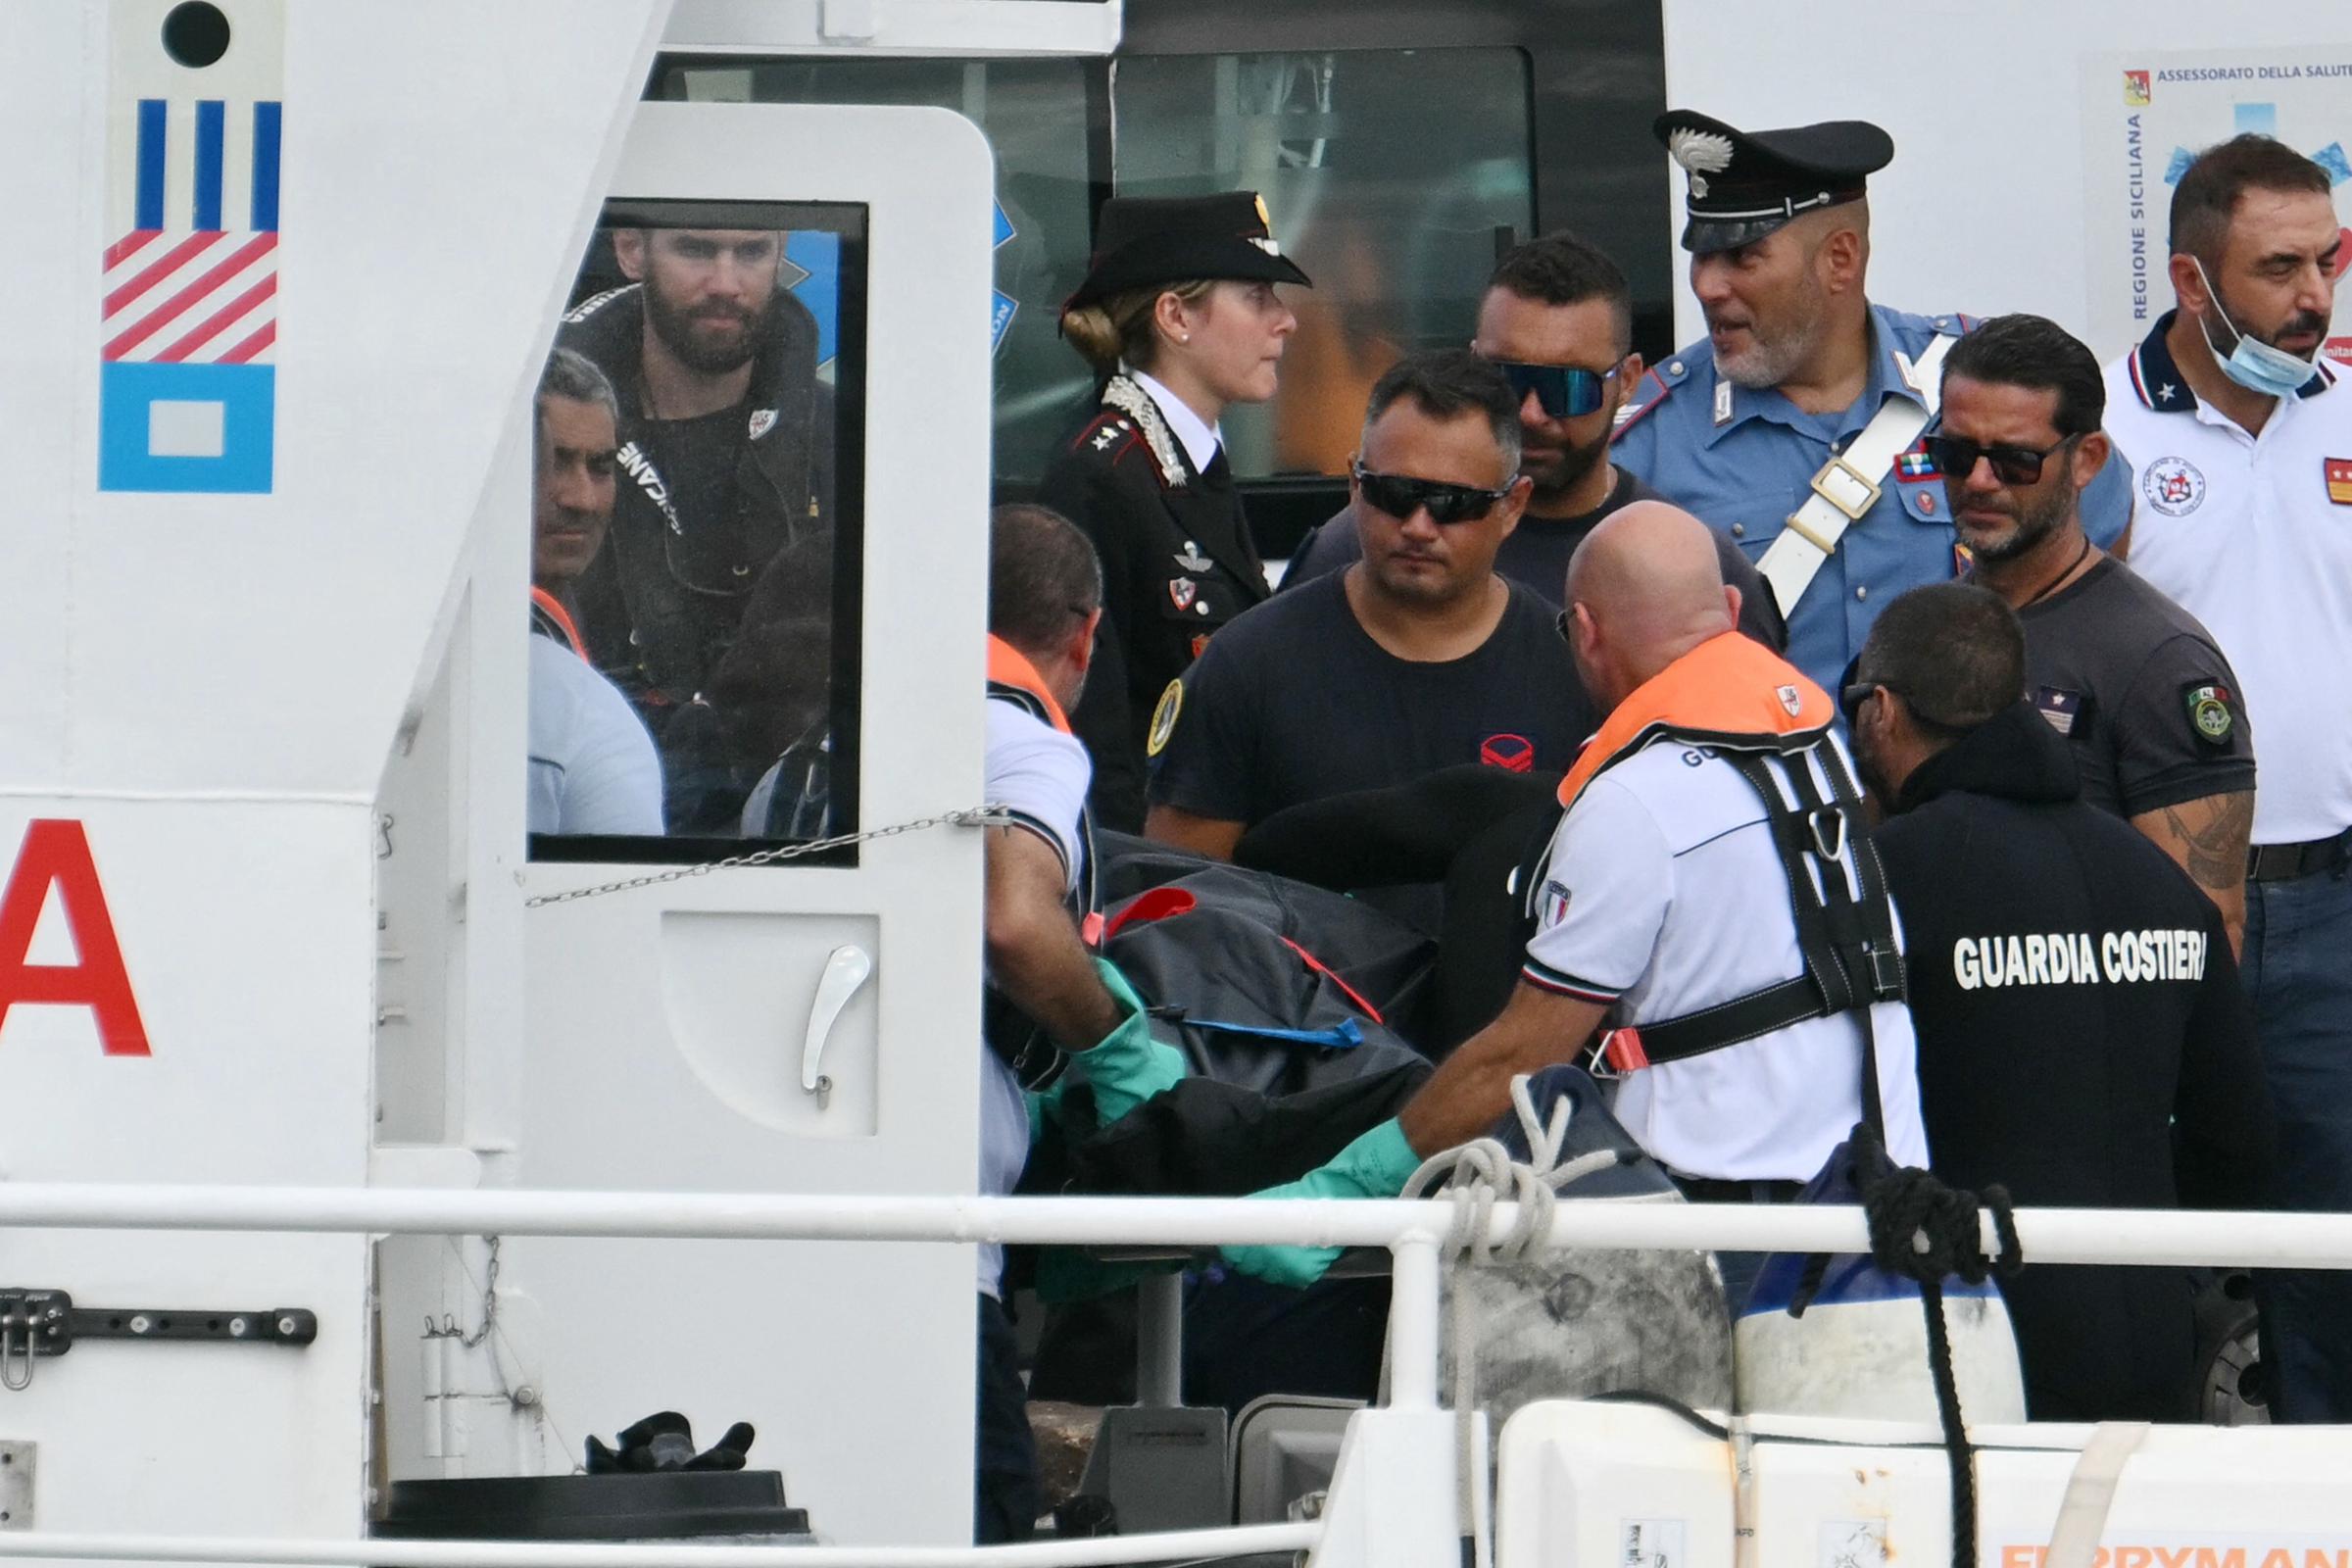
[1746, 472]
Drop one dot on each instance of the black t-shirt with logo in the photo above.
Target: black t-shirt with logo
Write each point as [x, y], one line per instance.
[1294, 702]
[2143, 695]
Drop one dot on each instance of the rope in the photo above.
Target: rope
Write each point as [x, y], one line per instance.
[1478, 1174]
[1924, 1231]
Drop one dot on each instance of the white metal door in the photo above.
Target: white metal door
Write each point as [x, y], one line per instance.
[670, 1027]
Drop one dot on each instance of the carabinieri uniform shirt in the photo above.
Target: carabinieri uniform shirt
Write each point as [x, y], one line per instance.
[2253, 537]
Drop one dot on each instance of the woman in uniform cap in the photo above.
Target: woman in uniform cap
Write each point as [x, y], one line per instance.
[1179, 316]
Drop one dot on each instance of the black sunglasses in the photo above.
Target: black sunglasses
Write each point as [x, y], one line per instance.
[1956, 458]
[1564, 391]
[1401, 496]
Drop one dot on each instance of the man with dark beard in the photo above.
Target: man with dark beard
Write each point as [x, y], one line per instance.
[2143, 695]
[724, 449]
[1793, 424]
[1557, 319]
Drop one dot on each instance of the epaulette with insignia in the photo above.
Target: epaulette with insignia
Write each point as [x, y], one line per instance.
[1109, 433]
[1657, 384]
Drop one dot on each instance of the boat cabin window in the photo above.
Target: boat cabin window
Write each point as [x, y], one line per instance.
[1388, 175]
[697, 516]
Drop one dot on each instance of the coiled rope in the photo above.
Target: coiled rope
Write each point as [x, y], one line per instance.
[1480, 1174]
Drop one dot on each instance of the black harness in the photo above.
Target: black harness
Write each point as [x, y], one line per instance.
[1845, 926]
[1018, 1039]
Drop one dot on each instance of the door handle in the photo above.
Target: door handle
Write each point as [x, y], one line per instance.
[844, 971]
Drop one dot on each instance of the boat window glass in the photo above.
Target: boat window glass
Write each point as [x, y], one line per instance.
[1047, 123]
[1386, 174]
[698, 508]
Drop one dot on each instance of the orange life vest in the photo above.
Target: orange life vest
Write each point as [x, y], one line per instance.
[547, 605]
[1729, 690]
[1733, 695]
[1008, 666]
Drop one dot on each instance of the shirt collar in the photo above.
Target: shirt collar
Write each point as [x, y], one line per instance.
[2157, 379]
[1887, 377]
[1199, 438]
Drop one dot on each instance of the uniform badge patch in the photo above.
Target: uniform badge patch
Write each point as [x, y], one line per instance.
[1789, 700]
[2173, 486]
[1163, 718]
[1515, 753]
[1915, 467]
[2060, 706]
[1182, 590]
[1199, 641]
[2210, 712]
[2339, 481]
[1189, 559]
[762, 422]
[1556, 903]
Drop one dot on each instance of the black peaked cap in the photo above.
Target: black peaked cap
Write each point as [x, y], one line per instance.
[1744, 185]
[1144, 240]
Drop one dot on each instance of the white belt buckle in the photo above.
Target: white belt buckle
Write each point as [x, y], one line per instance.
[1839, 481]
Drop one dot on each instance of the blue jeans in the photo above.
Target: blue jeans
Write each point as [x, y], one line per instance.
[2298, 973]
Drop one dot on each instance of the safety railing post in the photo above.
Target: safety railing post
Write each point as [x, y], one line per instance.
[1413, 1324]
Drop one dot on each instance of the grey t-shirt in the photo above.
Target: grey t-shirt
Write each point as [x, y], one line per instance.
[2150, 706]
[1536, 557]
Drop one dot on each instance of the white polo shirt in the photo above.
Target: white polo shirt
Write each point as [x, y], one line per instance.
[2252, 534]
[1040, 776]
[1664, 895]
[593, 769]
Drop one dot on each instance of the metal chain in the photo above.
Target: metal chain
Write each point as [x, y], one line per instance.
[973, 816]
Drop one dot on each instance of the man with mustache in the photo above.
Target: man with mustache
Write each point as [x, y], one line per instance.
[1557, 319]
[723, 458]
[2145, 698]
[1793, 426]
[2243, 442]
[592, 765]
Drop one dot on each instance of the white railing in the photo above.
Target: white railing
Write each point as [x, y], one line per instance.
[1413, 1232]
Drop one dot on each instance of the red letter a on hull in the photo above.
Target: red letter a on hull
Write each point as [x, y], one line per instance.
[56, 853]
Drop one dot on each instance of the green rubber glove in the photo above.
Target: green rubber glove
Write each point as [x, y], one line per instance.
[1125, 1069]
[1376, 1165]
[1128, 1066]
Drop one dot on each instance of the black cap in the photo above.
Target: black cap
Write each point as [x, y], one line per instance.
[1142, 241]
[1744, 185]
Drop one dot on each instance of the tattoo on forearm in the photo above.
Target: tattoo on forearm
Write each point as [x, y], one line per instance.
[2213, 835]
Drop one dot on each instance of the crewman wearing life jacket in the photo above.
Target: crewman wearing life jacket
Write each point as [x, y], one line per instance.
[1054, 1010]
[1711, 927]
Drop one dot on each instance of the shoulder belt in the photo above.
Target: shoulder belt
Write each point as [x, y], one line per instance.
[1735, 698]
[1018, 1039]
[1848, 485]
[549, 618]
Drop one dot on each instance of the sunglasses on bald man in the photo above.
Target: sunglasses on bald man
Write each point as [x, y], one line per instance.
[1401, 496]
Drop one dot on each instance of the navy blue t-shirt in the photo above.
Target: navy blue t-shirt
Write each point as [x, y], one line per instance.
[1294, 702]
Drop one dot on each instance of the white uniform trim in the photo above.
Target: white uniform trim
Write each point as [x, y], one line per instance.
[2240, 532]
[1848, 485]
[1199, 438]
[1664, 896]
[1041, 776]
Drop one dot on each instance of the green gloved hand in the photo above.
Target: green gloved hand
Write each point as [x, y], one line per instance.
[1376, 1165]
[1125, 1067]
[1128, 1066]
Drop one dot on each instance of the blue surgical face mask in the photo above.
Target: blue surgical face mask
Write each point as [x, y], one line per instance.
[2254, 364]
